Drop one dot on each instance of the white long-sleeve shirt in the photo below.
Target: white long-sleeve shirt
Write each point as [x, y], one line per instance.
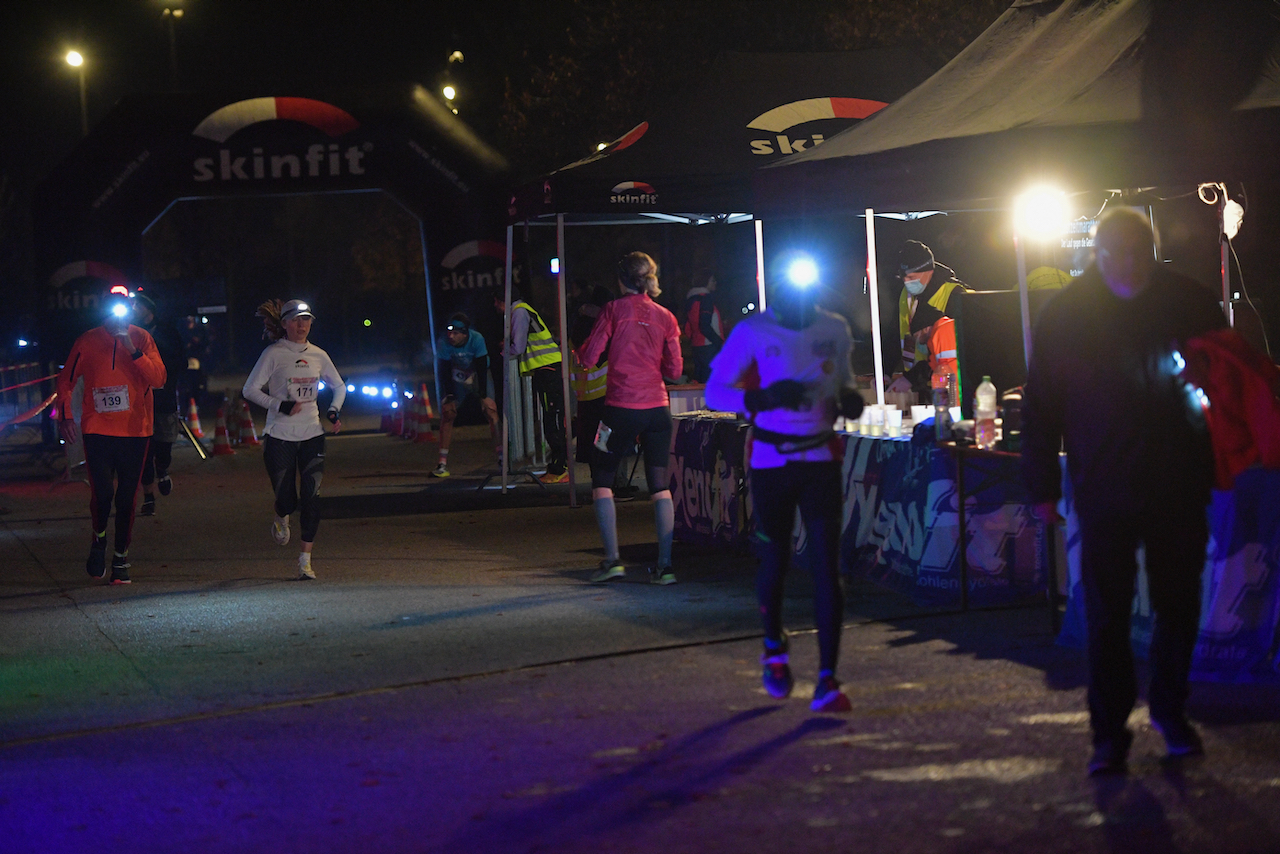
[288, 371]
[759, 352]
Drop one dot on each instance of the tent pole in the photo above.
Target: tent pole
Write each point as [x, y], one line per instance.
[873, 278]
[564, 360]
[1025, 300]
[1224, 245]
[506, 337]
[760, 264]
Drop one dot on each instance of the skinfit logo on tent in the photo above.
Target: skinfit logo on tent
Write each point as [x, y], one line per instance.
[319, 160]
[633, 193]
[780, 120]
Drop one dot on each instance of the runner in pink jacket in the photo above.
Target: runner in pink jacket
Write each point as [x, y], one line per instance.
[643, 340]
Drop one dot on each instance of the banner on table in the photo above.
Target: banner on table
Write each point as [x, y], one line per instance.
[707, 481]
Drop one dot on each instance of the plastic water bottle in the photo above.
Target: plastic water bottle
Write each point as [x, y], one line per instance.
[943, 396]
[984, 414]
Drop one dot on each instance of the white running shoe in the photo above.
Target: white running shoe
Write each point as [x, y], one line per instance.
[280, 531]
[305, 573]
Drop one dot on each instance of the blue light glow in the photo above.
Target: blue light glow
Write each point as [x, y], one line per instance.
[386, 392]
[802, 272]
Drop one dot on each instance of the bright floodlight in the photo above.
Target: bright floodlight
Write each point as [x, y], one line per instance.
[1041, 213]
[74, 58]
[1232, 218]
[802, 272]
[449, 93]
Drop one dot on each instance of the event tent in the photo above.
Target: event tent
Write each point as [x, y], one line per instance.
[1084, 95]
[693, 161]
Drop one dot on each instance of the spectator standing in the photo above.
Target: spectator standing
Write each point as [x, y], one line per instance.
[1104, 384]
[538, 356]
[703, 326]
[120, 366]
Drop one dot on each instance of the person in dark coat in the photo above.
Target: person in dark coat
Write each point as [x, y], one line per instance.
[166, 421]
[1104, 383]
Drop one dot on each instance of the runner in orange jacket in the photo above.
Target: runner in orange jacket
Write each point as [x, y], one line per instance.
[119, 365]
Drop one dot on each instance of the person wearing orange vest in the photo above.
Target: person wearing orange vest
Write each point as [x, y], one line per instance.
[927, 289]
[119, 365]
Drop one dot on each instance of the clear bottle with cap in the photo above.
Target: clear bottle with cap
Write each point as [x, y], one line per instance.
[944, 397]
[984, 414]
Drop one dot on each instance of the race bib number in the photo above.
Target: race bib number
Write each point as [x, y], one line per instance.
[303, 389]
[111, 399]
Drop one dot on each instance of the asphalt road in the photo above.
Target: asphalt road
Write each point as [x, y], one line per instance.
[452, 682]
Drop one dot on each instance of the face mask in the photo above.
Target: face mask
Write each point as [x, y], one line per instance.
[915, 287]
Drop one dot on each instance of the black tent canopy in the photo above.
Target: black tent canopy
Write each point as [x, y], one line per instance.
[1085, 95]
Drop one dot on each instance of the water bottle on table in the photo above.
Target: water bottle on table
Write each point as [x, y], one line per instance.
[944, 385]
[984, 414]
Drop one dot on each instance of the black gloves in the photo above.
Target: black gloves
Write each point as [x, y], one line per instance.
[851, 403]
[286, 406]
[332, 415]
[783, 394]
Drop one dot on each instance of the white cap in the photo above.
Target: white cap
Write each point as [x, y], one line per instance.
[295, 308]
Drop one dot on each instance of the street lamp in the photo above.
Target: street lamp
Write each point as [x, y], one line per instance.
[76, 60]
[171, 15]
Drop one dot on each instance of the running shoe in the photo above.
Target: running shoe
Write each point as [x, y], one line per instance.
[777, 672]
[442, 470]
[120, 569]
[827, 696]
[562, 477]
[148, 506]
[1180, 737]
[661, 575]
[609, 570]
[96, 565]
[305, 572]
[165, 485]
[280, 531]
[1110, 756]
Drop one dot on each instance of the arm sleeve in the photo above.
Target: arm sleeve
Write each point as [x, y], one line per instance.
[258, 378]
[672, 360]
[149, 365]
[333, 379]
[591, 350]
[444, 376]
[519, 331]
[706, 325]
[1042, 424]
[728, 369]
[481, 366]
[67, 380]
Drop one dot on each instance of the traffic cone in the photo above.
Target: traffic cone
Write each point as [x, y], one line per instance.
[425, 416]
[221, 442]
[193, 420]
[246, 435]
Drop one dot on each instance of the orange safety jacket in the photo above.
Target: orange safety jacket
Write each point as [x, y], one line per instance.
[117, 387]
[942, 348]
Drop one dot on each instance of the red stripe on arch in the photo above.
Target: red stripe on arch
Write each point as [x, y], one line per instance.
[318, 114]
[855, 108]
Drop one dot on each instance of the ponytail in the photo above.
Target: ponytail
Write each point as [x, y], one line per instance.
[272, 327]
[639, 273]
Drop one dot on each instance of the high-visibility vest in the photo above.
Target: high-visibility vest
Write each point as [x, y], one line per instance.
[540, 348]
[589, 384]
[913, 351]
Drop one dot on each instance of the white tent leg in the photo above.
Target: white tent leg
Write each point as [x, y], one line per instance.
[1021, 252]
[873, 279]
[760, 264]
[564, 360]
[506, 386]
[1227, 308]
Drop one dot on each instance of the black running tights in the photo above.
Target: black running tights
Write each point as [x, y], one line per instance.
[285, 462]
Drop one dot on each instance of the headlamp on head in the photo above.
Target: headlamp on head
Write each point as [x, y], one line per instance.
[459, 323]
[802, 272]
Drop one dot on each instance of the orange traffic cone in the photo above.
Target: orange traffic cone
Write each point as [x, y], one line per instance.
[246, 435]
[425, 416]
[221, 442]
[193, 420]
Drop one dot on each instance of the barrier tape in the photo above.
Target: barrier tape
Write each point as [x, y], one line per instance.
[33, 413]
[29, 382]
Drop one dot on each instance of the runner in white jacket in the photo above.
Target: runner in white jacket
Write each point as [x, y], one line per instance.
[788, 370]
[286, 382]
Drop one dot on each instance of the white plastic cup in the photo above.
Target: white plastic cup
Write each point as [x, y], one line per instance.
[893, 422]
[877, 419]
[864, 420]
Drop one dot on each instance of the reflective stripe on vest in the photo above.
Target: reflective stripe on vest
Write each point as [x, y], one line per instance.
[540, 348]
[589, 385]
[913, 351]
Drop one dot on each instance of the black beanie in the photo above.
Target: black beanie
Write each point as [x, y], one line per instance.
[914, 257]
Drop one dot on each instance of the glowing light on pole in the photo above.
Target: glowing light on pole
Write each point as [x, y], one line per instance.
[76, 60]
[1041, 214]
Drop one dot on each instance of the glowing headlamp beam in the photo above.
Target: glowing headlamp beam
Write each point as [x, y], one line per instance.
[802, 272]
